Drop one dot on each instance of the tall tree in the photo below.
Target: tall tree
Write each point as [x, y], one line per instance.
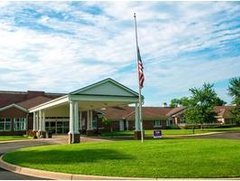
[219, 102]
[184, 101]
[234, 91]
[201, 103]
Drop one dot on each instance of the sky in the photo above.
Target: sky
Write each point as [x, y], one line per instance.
[63, 46]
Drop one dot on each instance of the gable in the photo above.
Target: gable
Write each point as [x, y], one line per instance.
[106, 87]
[12, 112]
[15, 106]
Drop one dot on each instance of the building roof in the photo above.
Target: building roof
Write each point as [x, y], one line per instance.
[108, 87]
[153, 113]
[15, 106]
[224, 111]
[117, 112]
[128, 113]
[34, 102]
[8, 98]
[176, 111]
[15, 97]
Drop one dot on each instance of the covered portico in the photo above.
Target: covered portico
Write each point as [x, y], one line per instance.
[105, 93]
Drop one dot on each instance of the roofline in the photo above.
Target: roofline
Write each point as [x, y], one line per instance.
[12, 92]
[50, 103]
[173, 114]
[103, 81]
[26, 92]
[14, 105]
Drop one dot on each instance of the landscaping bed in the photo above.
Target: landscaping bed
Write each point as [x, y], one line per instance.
[164, 158]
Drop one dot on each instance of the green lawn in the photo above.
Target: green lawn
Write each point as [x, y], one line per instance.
[153, 158]
[169, 132]
[10, 138]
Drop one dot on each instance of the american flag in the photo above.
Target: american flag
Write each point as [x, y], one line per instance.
[140, 69]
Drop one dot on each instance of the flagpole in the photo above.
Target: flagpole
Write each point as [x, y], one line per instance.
[139, 88]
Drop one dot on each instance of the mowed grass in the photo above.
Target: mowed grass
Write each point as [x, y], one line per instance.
[173, 132]
[165, 158]
[9, 138]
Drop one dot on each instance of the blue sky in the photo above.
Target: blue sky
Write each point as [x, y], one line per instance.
[63, 46]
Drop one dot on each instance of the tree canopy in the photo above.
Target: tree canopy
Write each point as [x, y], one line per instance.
[201, 104]
[234, 91]
[184, 101]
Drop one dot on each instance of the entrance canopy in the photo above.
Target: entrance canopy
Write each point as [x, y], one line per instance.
[105, 93]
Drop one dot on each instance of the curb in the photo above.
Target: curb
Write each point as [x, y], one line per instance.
[192, 135]
[64, 176]
[58, 176]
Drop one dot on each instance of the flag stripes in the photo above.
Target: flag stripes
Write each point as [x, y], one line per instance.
[140, 69]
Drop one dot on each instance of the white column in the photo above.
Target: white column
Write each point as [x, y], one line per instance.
[137, 123]
[89, 120]
[40, 120]
[80, 120]
[36, 118]
[71, 117]
[34, 121]
[43, 121]
[76, 118]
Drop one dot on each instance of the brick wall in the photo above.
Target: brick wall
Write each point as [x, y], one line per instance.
[14, 113]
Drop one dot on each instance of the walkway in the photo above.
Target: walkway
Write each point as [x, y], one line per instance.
[224, 135]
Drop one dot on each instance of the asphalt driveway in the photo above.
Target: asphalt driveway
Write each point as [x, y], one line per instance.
[13, 145]
[10, 146]
[225, 135]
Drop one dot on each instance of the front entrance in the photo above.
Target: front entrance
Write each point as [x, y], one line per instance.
[102, 94]
[57, 126]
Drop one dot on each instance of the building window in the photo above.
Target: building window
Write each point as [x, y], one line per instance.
[157, 123]
[20, 124]
[5, 124]
[2, 124]
[94, 123]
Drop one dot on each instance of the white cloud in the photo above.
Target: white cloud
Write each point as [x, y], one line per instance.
[64, 52]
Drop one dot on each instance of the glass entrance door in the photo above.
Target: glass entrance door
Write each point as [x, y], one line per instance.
[57, 126]
[51, 126]
[62, 127]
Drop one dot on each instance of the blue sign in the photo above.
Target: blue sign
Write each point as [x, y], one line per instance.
[157, 134]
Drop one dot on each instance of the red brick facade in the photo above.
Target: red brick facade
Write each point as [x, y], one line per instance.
[15, 113]
[14, 106]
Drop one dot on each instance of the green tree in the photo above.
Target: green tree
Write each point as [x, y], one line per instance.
[219, 102]
[234, 91]
[200, 105]
[184, 101]
[109, 123]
